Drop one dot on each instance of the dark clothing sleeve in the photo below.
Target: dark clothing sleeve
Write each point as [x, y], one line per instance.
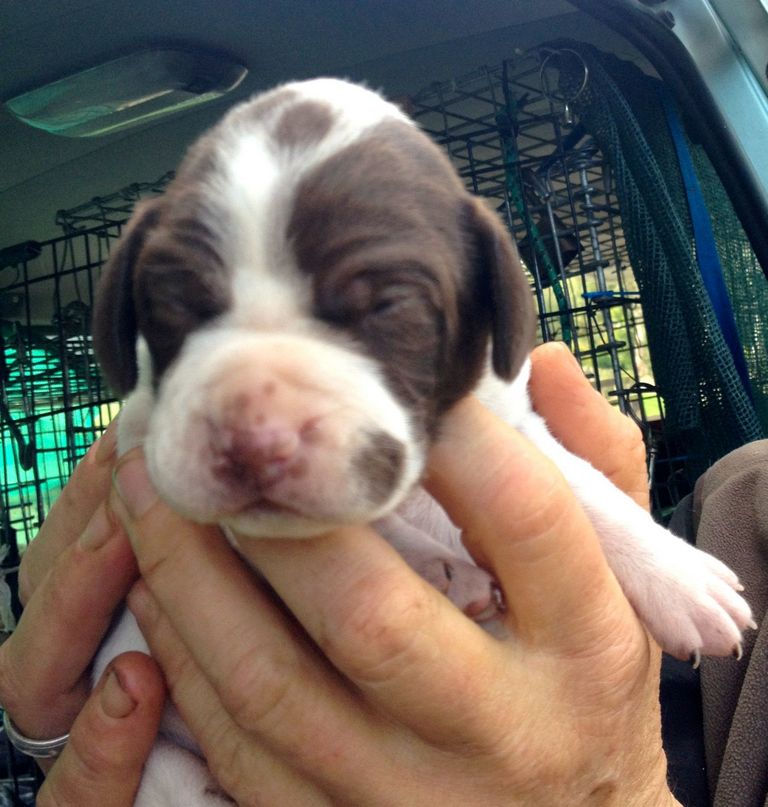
[727, 515]
[682, 726]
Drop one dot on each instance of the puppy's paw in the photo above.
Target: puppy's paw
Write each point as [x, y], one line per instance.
[468, 587]
[691, 605]
[471, 589]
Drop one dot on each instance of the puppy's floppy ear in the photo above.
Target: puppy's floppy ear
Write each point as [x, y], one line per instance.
[114, 315]
[506, 291]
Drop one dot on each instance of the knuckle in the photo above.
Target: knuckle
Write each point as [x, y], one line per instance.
[625, 462]
[632, 442]
[229, 759]
[159, 560]
[547, 502]
[93, 751]
[76, 500]
[24, 685]
[69, 497]
[86, 770]
[377, 634]
[263, 689]
[26, 583]
[33, 695]
[10, 682]
[155, 559]
[93, 760]
[57, 599]
[151, 561]
[178, 667]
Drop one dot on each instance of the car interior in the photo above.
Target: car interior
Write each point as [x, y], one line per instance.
[620, 141]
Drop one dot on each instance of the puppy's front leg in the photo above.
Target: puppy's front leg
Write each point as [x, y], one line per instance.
[468, 587]
[687, 599]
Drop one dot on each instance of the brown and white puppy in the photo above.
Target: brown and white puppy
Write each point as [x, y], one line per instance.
[293, 317]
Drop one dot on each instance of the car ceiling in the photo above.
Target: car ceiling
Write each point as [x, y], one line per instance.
[397, 45]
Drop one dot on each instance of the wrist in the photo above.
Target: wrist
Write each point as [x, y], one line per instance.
[659, 796]
[668, 800]
[646, 784]
[648, 798]
[665, 799]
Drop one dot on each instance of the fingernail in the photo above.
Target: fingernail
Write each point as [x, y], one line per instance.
[98, 531]
[115, 701]
[106, 446]
[133, 485]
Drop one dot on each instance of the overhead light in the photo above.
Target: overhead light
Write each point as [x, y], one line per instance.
[125, 92]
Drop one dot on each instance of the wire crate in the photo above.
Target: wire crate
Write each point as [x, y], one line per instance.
[514, 139]
[52, 399]
[515, 144]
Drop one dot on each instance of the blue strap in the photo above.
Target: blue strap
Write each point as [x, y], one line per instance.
[706, 249]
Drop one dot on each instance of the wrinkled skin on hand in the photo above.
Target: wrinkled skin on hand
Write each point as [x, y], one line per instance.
[72, 577]
[365, 686]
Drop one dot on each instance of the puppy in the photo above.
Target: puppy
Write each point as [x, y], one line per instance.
[290, 321]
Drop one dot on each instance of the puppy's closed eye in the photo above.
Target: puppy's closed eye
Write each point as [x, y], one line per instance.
[370, 301]
[298, 350]
[173, 301]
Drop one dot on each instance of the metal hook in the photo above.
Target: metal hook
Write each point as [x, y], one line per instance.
[555, 95]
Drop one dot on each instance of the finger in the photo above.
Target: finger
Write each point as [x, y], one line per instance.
[237, 759]
[518, 515]
[388, 631]
[611, 441]
[102, 763]
[274, 684]
[266, 676]
[300, 752]
[87, 487]
[64, 623]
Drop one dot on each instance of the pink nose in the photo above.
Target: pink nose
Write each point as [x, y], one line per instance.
[258, 454]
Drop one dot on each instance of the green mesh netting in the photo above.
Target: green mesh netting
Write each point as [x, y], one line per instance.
[707, 407]
[744, 277]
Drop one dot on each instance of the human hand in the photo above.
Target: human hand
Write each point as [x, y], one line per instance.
[374, 690]
[70, 514]
[72, 577]
[585, 423]
[110, 740]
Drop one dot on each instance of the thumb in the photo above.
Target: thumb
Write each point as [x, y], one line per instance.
[109, 743]
[520, 520]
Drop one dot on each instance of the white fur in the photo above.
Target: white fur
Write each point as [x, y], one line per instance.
[223, 365]
[260, 181]
[685, 597]
[300, 375]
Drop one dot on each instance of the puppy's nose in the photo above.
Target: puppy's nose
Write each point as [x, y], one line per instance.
[260, 454]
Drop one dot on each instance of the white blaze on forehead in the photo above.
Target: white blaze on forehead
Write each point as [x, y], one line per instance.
[259, 183]
[252, 188]
[268, 291]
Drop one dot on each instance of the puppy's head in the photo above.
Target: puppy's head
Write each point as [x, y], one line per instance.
[309, 296]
